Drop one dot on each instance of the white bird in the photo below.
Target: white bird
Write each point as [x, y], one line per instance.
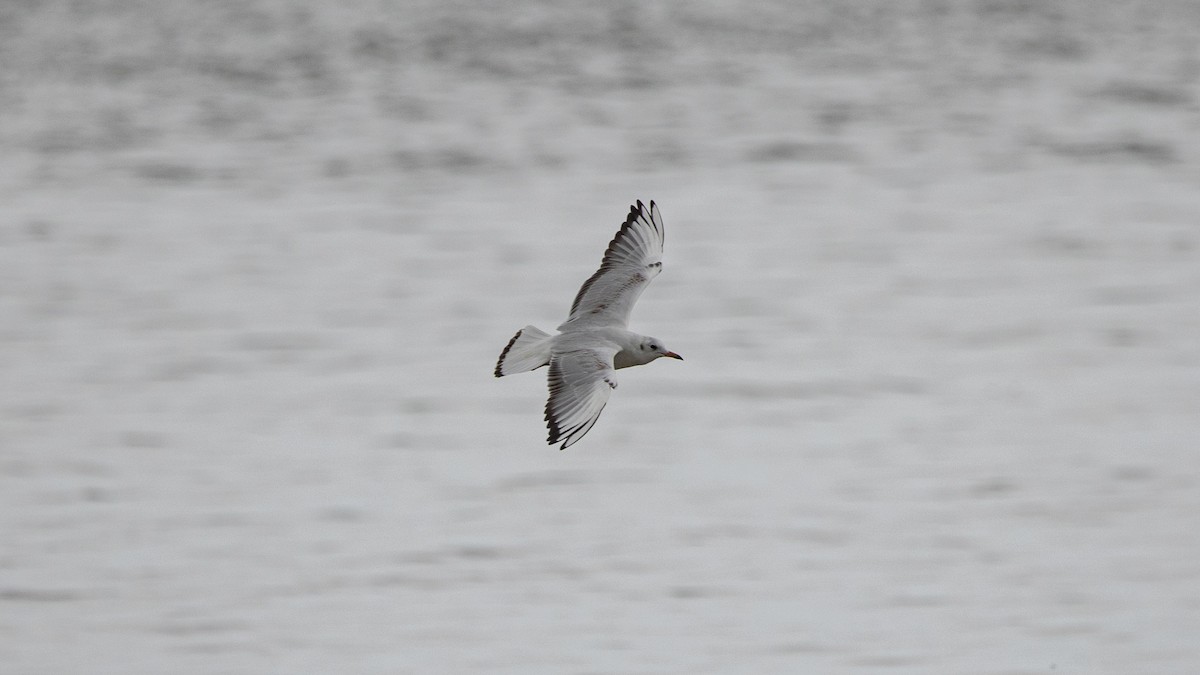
[595, 340]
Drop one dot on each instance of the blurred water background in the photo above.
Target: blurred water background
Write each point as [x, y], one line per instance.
[934, 267]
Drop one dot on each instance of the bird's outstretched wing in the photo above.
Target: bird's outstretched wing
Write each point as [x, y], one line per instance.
[580, 382]
[633, 258]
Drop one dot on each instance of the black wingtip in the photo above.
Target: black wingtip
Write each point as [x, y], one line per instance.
[552, 379]
[639, 210]
[635, 212]
[555, 434]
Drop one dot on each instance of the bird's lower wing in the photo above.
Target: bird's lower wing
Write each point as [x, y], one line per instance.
[580, 383]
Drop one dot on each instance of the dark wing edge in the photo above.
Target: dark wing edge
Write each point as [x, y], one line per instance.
[571, 434]
[636, 212]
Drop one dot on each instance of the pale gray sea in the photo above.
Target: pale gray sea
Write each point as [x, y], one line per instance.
[934, 268]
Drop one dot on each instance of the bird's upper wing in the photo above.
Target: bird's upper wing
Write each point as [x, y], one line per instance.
[633, 258]
[580, 382]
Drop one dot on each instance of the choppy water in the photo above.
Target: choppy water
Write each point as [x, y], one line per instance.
[935, 269]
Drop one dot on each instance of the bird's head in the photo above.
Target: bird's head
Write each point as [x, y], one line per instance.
[653, 348]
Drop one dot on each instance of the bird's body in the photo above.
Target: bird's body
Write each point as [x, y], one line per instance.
[594, 341]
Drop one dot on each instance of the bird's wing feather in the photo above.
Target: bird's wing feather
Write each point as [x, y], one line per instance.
[633, 258]
[580, 382]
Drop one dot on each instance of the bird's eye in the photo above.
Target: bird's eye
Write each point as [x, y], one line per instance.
[653, 346]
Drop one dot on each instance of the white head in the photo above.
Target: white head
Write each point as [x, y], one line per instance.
[653, 348]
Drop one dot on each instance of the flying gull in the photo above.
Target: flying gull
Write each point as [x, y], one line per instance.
[595, 340]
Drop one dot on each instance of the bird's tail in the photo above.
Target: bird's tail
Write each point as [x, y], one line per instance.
[529, 349]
